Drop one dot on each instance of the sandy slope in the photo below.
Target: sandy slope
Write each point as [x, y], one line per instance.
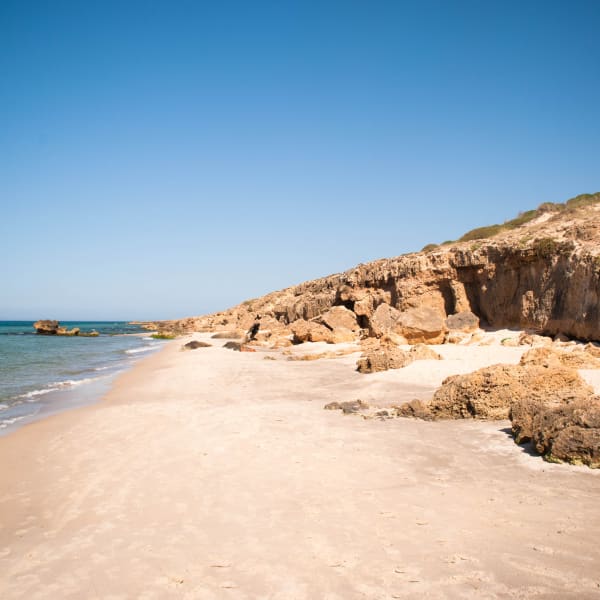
[213, 474]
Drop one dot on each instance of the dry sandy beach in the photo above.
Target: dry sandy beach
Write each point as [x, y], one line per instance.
[215, 474]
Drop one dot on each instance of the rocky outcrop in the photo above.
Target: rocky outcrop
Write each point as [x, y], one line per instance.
[49, 327]
[489, 393]
[382, 356]
[541, 274]
[567, 431]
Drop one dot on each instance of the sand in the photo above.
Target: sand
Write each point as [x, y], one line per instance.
[215, 474]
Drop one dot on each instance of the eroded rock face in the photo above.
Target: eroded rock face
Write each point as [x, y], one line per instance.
[543, 277]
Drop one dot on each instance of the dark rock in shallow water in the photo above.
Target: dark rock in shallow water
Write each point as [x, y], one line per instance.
[194, 344]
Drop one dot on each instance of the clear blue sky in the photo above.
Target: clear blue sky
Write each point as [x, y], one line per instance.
[166, 159]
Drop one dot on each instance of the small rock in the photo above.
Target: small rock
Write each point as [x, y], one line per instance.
[194, 344]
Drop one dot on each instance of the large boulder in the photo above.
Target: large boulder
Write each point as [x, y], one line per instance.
[489, 393]
[382, 358]
[569, 432]
[422, 325]
[49, 327]
[195, 344]
[309, 331]
[383, 320]
[379, 355]
[46, 327]
[464, 321]
[564, 431]
[340, 317]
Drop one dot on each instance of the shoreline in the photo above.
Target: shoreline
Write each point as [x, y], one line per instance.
[82, 375]
[210, 473]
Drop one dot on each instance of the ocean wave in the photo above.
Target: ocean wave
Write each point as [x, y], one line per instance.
[55, 387]
[143, 349]
[4, 423]
[3, 406]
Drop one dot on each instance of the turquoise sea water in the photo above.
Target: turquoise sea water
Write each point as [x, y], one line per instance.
[41, 375]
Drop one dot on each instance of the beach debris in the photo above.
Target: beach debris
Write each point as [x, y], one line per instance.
[195, 344]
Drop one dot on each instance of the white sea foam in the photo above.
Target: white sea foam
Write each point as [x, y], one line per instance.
[143, 349]
[4, 423]
[3, 406]
[55, 387]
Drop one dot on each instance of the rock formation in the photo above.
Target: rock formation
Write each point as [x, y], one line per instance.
[49, 327]
[541, 272]
[195, 344]
[560, 431]
[489, 393]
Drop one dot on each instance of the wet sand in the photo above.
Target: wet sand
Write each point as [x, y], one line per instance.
[215, 474]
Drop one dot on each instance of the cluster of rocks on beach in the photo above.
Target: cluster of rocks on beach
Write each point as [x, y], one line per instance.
[542, 278]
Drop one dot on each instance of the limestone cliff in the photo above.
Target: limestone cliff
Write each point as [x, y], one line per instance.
[540, 271]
